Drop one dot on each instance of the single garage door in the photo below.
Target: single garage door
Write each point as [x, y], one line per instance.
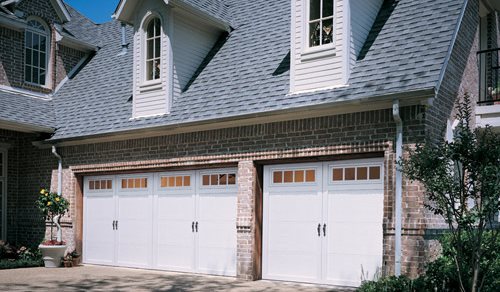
[323, 221]
[178, 221]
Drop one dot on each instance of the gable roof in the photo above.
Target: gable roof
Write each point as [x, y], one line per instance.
[215, 10]
[81, 27]
[249, 74]
[31, 111]
[58, 5]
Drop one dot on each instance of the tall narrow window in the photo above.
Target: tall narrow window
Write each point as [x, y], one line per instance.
[153, 49]
[35, 53]
[320, 22]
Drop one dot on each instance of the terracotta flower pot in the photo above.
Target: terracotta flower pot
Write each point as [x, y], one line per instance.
[52, 255]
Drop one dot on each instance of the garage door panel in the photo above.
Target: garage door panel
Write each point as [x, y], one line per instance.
[175, 236]
[304, 236]
[217, 260]
[354, 268]
[293, 206]
[362, 238]
[353, 208]
[216, 218]
[99, 244]
[134, 230]
[217, 207]
[285, 265]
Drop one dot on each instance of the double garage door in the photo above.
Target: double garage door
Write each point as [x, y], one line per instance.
[177, 221]
[323, 221]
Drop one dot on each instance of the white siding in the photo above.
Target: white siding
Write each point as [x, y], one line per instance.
[152, 98]
[316, 70]
[186, 41]
[363, 14]
[192, 41]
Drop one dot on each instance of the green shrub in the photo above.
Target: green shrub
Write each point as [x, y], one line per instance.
[441, 274]
[391, 284]
[21, 263]
[12, 257]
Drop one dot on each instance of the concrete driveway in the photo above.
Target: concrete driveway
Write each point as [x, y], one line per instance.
[98, 278]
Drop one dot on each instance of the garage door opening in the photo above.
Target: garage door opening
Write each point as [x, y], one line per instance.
[323, 221]
[178, 221]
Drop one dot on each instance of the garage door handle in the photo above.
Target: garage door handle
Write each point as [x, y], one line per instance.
[116, 225]
[192, 226]
[196, 226]
[113, 224]
[319, 229]
[324, 229]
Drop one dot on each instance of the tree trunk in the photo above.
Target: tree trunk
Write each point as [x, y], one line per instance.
[475, 274]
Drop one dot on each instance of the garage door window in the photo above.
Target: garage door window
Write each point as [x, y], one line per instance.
[294, 176]
[175, 181]
[103, 184]
[360, 173]
[219, 179]
[135, 183]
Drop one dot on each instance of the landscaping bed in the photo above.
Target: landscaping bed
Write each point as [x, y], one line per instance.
[13, 257]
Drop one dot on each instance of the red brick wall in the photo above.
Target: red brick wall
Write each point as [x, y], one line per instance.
[329, 137]
[62, 59]
[11, 56]
[66, 59]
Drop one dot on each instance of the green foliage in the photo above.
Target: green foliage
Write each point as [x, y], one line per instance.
[10, 264]
[12, 257]
[391, 284]
[51, 204]
[441, 274]
[462, 183]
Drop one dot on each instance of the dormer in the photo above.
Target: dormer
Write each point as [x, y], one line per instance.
[171, 40]
[326, 39]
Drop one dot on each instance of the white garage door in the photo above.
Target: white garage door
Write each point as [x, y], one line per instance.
[179, 221]
[323, 221]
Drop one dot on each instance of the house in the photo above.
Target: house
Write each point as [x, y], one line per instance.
[256, 139]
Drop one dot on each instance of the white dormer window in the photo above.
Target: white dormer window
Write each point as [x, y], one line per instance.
[36, 48]
[153, 49]
[320, 22]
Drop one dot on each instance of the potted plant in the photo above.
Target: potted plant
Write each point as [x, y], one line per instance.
[76, 257]
[53, 207]
[67, 261]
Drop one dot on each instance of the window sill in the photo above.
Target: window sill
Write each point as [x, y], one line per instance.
[36, 87]
[318, 52]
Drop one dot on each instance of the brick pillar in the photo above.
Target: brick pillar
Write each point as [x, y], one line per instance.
[248, 230]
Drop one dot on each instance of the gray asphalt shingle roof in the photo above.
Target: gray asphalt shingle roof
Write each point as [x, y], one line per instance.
[215, 8]
[405, 51]
[249, 74]
[81, 27]
[28, 110]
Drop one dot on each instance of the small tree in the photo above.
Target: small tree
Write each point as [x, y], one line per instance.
[53, 207]
[462, 184]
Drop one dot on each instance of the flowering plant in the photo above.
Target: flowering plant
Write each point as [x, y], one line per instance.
[53, 206]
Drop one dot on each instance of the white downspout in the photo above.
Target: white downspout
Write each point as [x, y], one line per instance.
[59, 170]
[59, 190]
[399, 186]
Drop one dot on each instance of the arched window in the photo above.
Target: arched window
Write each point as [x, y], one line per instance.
[36, 47]
[153, 49]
